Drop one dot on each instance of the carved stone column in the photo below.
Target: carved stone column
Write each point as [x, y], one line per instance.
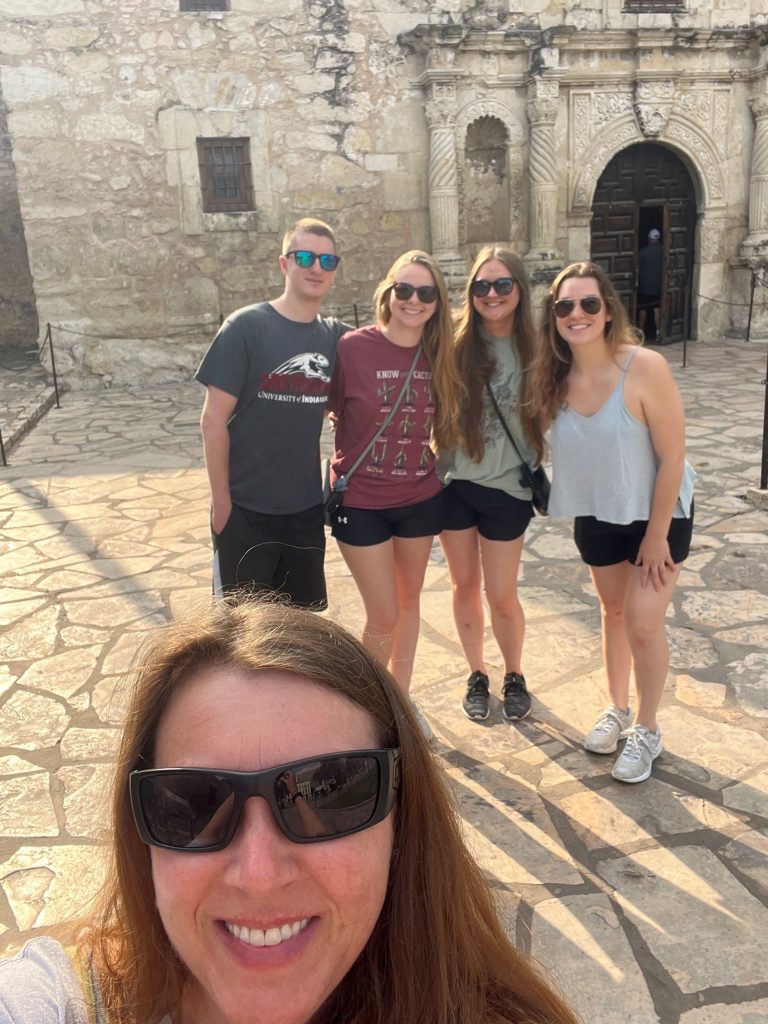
[543, 94]
[756, 242]
[444, 178]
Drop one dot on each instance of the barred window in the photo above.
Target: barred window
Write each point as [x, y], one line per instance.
[653, 6]
[225, 174]
[204, 5]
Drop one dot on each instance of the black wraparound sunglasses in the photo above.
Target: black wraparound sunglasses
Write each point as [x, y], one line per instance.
[197, 810]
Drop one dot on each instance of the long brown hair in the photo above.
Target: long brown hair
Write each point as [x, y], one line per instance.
[436, 343]
[554, 359]
[474, 355]
[437, 953]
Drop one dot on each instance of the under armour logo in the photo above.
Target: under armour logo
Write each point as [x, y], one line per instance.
[342, 519]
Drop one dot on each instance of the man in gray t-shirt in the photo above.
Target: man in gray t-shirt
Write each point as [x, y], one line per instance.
[267, 375]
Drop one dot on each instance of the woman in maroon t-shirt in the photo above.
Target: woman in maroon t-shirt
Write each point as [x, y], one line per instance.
[393, 504]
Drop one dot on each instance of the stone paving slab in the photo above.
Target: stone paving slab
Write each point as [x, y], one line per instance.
[649, 904]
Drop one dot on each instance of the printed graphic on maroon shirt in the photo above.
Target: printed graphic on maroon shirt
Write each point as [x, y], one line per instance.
[304, 378]
[403, 449]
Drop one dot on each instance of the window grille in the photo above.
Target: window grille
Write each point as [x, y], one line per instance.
[204, 5]
[653, 6]
[225, 174]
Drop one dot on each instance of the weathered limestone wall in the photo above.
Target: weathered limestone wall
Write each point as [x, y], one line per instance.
[18, 316]
[106, 99]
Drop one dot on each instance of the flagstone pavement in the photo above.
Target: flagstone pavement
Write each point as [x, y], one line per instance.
[648, 903]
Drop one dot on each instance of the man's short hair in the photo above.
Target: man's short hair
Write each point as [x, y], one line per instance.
[310, 225]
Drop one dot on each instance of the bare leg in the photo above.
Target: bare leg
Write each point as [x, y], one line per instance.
[411, 557]
[501, 565]
[644, 614]
[373, 570]
[462, 552]
[611, 584]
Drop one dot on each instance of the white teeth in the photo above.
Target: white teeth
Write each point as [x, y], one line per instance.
[270, 937]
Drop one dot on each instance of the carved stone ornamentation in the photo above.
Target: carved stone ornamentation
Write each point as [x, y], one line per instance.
[653, 105]
[758, 180]
[543, 96]
[615, 139]
[608, 106]
[693, 141]
[582, 123]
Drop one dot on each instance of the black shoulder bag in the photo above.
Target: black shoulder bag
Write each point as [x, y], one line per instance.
[536, 480]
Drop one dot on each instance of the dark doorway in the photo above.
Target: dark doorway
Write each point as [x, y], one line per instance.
[648, 188]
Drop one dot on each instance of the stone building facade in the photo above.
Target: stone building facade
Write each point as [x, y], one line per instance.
[566, 129]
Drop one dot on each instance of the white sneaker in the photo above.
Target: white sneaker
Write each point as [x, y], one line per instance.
[606, 731]
[635, 762]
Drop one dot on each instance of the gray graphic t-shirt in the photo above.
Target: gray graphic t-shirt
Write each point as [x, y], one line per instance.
[280, 372]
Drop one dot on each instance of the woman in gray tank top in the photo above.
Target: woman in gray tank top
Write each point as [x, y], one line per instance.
[619, 469]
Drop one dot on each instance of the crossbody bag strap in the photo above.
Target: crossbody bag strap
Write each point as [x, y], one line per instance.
[504, 422]
[345, 476]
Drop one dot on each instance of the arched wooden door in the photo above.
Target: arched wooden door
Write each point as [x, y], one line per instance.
[647, 186]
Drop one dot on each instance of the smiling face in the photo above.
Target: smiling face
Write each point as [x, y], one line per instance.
[409, 316]
[579, 328]
[267, 928]
[310, 284]
[497, 312]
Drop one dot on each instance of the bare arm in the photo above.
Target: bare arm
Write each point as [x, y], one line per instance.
[217, 410]
[663, 411]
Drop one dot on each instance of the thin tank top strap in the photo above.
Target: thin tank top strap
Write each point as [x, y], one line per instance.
[629, 359]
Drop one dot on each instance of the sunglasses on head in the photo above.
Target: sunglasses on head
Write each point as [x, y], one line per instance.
[197, 810]
[305, 259]
[426, 292]
[502, 286]
[591, 304]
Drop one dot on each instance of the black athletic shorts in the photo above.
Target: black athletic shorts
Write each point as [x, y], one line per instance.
[602, 544]
[496, 514]
[257, 553]
[366, 526]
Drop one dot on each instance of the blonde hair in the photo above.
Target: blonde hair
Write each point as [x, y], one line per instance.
[437, 952]
[436, 343]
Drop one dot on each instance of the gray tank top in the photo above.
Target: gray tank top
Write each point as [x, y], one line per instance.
[605, 466]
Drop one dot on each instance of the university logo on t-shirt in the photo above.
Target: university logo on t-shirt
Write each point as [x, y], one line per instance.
[302, 378]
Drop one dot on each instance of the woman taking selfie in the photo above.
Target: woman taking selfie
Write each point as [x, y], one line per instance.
[487, 509]
[283, 844]
[619, 468]
[394, 389]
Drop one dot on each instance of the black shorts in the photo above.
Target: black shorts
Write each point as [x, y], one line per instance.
[257, 553]
[363, 527]
[602, 544]
[496, 514]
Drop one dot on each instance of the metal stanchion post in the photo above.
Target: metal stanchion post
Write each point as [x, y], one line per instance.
[764, 466]
[2, 449]
[751, 303]
[357, 318]
[49, 339]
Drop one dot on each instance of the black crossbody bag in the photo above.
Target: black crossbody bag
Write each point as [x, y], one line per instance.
[536, 480]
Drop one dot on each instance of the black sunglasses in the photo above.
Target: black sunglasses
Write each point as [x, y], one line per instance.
[197, 810]
[426, 292]
[502, 286]
[591, 304]
[305, 259]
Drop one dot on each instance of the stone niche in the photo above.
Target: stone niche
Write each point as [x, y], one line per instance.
[486, 180]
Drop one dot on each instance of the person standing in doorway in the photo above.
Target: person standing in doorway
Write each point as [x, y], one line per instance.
[650, 265]
[267, 376]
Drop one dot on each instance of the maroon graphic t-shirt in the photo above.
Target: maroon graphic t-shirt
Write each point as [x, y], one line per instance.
[368, 377]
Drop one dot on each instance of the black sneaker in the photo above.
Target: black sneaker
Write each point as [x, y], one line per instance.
[517, 700]
[475, 704]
